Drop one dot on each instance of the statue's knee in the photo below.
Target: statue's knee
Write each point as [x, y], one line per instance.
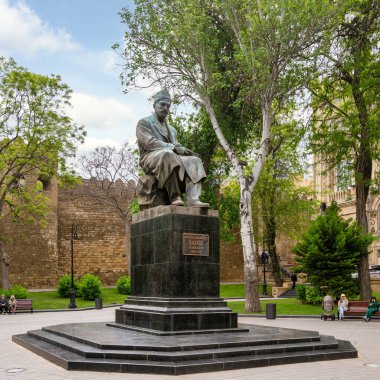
[168, 155]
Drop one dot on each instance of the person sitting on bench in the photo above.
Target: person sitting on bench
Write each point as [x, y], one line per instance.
[3, 304]
[373, 307]
[12, 304]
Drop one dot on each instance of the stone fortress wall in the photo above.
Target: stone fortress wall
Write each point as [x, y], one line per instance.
[39, 255]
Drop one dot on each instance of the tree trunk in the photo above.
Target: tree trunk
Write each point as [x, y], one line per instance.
[361, 217]
[364, 175]
[276, 269]
[251, 278]
[270, 236]
[247, 184]
[359, 50]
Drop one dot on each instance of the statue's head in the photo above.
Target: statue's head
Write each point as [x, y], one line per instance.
[161, 105]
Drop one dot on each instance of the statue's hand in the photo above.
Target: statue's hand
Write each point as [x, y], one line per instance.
[181, 150]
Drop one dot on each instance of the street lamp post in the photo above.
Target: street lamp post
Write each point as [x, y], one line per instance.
[74, 236]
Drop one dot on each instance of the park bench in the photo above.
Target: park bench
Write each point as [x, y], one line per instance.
[24, 305]
[358, 309]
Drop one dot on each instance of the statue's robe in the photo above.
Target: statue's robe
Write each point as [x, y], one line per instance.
[157, 156]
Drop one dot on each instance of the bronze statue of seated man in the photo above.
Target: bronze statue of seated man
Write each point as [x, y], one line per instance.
[170, 168]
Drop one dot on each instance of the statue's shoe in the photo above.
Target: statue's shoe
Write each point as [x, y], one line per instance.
[196, 203]
[178, 202]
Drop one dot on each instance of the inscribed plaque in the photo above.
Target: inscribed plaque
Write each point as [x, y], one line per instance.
[195, 244]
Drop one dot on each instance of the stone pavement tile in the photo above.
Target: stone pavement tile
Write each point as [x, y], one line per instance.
[365, 337]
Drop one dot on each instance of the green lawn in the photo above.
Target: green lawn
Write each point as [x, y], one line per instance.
[237, 290]
[51, 300]
[287, 306]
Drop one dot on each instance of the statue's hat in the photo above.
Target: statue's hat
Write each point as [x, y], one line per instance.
[163, 94]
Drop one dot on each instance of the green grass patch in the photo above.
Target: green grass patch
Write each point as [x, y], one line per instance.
[287, 306]
[51, 300]
[237, 290]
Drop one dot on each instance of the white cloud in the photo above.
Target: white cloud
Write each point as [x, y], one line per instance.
[91, 143]
[107, 117]
[23, 31]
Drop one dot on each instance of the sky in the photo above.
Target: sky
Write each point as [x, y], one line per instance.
[73, 38]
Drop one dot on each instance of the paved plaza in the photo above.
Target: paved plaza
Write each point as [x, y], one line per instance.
[20, 364]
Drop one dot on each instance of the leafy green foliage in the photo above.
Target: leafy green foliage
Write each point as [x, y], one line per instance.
[329, 252]
[90, 287]
[309, 294]
[229, 56]
[36, 138]
[301, 292]
[123, 285]
[134, 207]
[17, 290]
[64, 286]
[313, 295]
[229, 210]
[345, 103]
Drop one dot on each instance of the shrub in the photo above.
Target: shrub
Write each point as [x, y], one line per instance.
[301, 292]
[17, 290]
[123, 285]
[64, 286]
[90, 287]
[313, 295]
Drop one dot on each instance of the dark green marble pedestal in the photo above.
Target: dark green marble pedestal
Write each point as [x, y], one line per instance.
[170, 316]
[175, 273]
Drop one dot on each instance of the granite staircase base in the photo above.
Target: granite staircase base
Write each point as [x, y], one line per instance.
[100, 347]
[165, 316]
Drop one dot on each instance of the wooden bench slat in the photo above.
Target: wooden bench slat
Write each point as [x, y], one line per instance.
[356, 308]
[24, 304]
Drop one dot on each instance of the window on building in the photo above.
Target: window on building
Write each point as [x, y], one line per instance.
[344, 175]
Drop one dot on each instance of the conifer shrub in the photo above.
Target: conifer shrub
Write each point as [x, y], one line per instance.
[330, 252]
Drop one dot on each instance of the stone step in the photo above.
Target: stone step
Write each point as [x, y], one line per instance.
[290, 293]
[100, 335]
[72, 361]
[84, 350]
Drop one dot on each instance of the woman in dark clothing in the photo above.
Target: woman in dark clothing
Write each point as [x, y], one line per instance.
[3, 304]
[373, 307]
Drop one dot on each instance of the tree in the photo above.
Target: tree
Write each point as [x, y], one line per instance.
[330, 251]
[179, 44]
[346, 119]
[285, 204]
[36, 137]
[113, 177]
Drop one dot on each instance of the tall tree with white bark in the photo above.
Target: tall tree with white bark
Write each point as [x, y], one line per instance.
[179, 44]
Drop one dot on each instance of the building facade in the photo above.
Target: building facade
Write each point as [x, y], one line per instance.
[338, 185]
